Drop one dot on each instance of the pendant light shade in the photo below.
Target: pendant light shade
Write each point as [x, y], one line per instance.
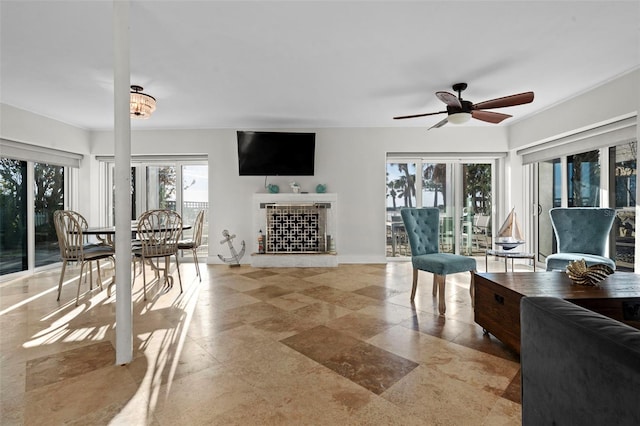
[459, 118]
[141, 104]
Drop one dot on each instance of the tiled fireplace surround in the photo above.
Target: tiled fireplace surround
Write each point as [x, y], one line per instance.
[298, 230]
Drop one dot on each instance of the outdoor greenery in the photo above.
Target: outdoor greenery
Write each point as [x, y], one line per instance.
[403, 187]
[48, 194]
[477, 185]
[584, 179]
[625, 175]
[13, 199]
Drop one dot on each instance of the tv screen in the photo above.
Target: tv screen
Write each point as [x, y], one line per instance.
[276, 153]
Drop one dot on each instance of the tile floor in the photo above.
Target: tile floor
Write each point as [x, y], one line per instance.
[313, 346]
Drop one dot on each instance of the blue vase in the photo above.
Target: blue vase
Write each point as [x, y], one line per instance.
[321, 189]
[274, 189]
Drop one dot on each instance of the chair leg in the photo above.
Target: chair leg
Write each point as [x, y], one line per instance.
[90, 276]
[144, 278]
[80, 281]
[168, 279]
[178, 269]
[195, 259]
[472, 288]
[434, 291]
[441, 286]
[99, 275]
[64, 266]
[415, 283]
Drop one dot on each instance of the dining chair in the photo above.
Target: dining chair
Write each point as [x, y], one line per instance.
[422, 226]
[159, 232]
[194, 242]
[581, 233]
[69, 227]
[481, 231]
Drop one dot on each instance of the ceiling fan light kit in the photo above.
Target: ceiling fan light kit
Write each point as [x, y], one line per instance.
[460, 111]
[459, 117]
[141, 105]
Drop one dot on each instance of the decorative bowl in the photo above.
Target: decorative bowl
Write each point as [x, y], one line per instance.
[509, 244]
[581, 274]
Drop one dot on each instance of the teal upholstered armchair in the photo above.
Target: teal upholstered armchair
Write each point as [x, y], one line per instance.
[581, 233]
[422, 227]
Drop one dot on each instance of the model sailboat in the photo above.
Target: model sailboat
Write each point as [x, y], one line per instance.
[510, 236]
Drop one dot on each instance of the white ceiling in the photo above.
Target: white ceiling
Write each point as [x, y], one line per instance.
[303, 64]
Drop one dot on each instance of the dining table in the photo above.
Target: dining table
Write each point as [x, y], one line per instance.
[105, 235]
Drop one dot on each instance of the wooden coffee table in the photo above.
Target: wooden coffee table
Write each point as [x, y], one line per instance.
[497, 299]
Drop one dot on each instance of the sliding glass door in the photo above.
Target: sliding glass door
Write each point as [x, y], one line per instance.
[437, 191]
[577, 180]
[400, 193]
[175, 185]
[30, 193]
[461, 190]
[549, 195]
[49, 187]
[160, 187]
[13, 216]
[195, 197]
[478, 205]
[623, 160]
[583, 179]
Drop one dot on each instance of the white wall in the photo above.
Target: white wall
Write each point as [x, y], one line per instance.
[603, 104]
[352, 162]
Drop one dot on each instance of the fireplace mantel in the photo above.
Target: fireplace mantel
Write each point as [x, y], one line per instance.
[324, 259]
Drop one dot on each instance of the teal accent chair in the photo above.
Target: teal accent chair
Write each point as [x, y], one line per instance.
[581, 233]
[422, 227]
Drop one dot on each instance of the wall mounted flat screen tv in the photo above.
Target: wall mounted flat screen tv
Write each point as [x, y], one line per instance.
[276, 153]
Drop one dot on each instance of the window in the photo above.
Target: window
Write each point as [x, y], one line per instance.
[460, 189]
[13, 216]
[48, 197]
[179, 185]
[34, 182]
[623, 174]
[161, 187]
[549, 186]
[577, 180]
[401, 192]
[583, 179]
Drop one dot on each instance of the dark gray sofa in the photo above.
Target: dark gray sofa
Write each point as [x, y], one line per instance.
[578, 367]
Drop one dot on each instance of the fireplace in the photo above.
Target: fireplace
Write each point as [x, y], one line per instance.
[296, 228]
[299, 230]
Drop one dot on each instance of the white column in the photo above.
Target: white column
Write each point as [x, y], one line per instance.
[122, 200]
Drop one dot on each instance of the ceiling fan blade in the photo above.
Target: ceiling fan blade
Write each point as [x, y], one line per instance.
[506, 101]
[449, 98]
[489, 116]
[418, 115]
[439, 124]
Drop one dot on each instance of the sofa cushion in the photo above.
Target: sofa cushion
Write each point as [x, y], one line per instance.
[559, 261]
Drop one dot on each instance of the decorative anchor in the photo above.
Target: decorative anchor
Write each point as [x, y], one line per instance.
[234, 260]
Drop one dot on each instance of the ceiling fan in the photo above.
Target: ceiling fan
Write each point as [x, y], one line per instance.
[460, 111]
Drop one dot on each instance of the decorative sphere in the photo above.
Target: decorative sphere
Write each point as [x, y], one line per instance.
[274, 189]
[321, 189]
